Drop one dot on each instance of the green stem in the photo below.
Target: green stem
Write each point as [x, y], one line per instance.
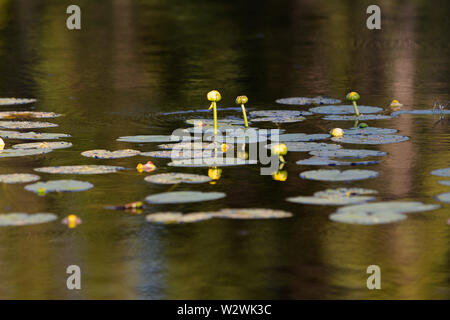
[215, 118]
[245, 115]
[356, 124]
[356, 108]
[281, 158]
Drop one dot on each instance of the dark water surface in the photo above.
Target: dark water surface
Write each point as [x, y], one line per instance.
[133, 60]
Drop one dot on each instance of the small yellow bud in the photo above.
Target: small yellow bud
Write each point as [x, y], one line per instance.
[213, 96]
[41, 191]
[337, 132]
[280, 175]
[224, 147]
[71, 221]
[241, 99]
[215, 173]
[279, 149]
[352, 96]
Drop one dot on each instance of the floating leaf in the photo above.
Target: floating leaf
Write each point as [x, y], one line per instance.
[361, 117]
[183, 197]
[366, 218]
[23, 219]
[43, 145]
[344, 109]
[194, 146]
[18, 178]
[421, 112]
[6, 153]
[445, 182]
[279, 119]
[299, 137]
[369, 130]
[27, 115]
[174, 178]
[11, 101]
[26, 125]
[59, 186]
[307, 146]
[155, 138]
[344, 192]
[302, 101]
[81, 169]
[211, 162]
[210, 122]
[348, 153]
[445, 172]
[181, 154]
[178, 217]
[371, 139]
[320, 161]
[337, 175]
[106, 154]
[278, 113]
[335, 197]
[32, 135]
[252, 214]
[444, 197]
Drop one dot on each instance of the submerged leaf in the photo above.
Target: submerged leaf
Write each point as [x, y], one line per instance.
[279, 113]
[18, 178]
[302, 101]
[81, 169]
[344, 109]
[59, 186]
[23, 219]
[183, 197]
[174, 178]
[299, 137]
[337, 175]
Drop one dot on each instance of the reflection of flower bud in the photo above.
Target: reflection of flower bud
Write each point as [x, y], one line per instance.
[148, 167]
[280, 175]
[215, 173]
[395, 105]
[241, 100]
[71, 221]
[352, 96]
[279, 149]
[2, 144]
[337, 132]
[213, 96]
[242, 155]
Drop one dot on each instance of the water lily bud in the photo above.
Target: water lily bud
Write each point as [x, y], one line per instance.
[280, 175]
[215, 173]
[337, 132]
[71, 221]
[213, 96]
[41, 191]
[241, 100]
[395, 104]
[279, 149]
[352, 96]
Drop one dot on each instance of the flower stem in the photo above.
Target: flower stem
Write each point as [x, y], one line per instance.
[356, 108]
[215, 117]
[245, 115]
[281, 158]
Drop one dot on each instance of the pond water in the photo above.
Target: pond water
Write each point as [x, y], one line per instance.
[134, 60]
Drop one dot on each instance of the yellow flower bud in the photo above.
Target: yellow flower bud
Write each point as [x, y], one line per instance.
[71, 220]
[337, 132]
[215, 173]
[280, 175]
[279, 149]
[241, 100]
[214, 96]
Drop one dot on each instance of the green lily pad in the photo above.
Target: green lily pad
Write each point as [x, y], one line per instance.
[31, 135]
[371, 139]
[155, 138]
[444, 197]
[18, 178]
[362, 117]
[174, 178]
[365, 218]
[6, 153]
[177, 217]
[445, 172]
[252, 214]
[320, 161]
[106, 154]
[348, 153]
[307, 146]
[211, 162]
[302, 101]
[11, 101]
[369, 130]
[278, 113]
[183, 197]
[344, 109]
[43, 145]
[26, 125]
[279, 119]
[81, 169]
[299, 137]
[336, 197]
[337, 175]
[23, 219]
[445, 182]
[59, 186]
[27, 115]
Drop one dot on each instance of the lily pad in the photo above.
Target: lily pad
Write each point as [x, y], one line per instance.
[302, 101]
[337, 175]
[299, 137]
[183, 197]
[32, 135]
[23, 219]
[18, 178]
[177, 217]
[321, 161]
[181, 154]
[210, 122]
[307, 146]
[362, 117]
[444, 197]
[348, 153]
[59, 186]
[106, 154]
[369, 130]
[81, 169]
[445, 182]
[188, 145]
[27, 115]
[445, 172]
[211, 162]
[174, 178]
[278, 113]
[6, 153]
[371, 139]
[421, 112]
[26, 125]
[336, 197]
[43, 145]
[344, 192]
[365, 218]
[279, 119]
[344, 109]
[252, 214]
[240, 137]
[155, 138]
[11, 101]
